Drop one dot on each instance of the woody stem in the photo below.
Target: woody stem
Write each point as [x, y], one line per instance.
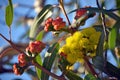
[11, 43]
[90, 66]
[47, 72]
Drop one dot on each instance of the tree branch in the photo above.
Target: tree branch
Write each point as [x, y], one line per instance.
[47, 72]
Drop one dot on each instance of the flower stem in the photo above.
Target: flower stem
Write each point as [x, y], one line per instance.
[47, 72]
[63, 10]
[104, 30]
[90, 66]
[11, 43]
[10, 34]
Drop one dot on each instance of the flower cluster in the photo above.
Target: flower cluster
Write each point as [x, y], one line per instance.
[48, 24]
[35, 47]
[80, 44]
[18, 68]
[80, 12]
[24, 60]
[56, 24]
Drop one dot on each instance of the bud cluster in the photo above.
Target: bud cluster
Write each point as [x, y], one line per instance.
[54, 25]
[24, 60]
[81, 12]
[35, 47]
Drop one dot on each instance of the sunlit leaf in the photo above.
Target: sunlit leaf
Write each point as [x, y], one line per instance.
[38, 58]
[9, 13]
[113, 35]
[39, 19]
[90, 77]
[40, 35]
[39, 61]
[49, 59]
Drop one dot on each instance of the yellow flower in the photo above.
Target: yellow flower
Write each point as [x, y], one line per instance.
[69, 41]
[94, 38]
[88, 31]
[81, 60]
[71, 58]
[65, 49]
[91, 50]
[77, 36]
[81, 43]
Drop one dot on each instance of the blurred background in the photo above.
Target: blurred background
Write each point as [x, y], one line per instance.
[24, 13]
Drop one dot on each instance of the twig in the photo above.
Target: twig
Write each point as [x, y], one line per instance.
[11, 43]
[47, 72]
[105, 31]
[10, 34]
[63, 10]
[90, 66]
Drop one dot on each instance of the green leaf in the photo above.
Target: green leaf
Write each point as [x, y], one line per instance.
[113, 35]
[40, 35]
[99, 50]
[49, 59]
[90, 77]
[38, 20]
[38, 58]
[9, 14]
[72, 76]
[118, 4]
[109, 69]
[39, 61]
[98, 62]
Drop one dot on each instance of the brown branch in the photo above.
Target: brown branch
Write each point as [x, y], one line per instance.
[105, 32]
[47, 72]
[12, 44]
[63, 10]
[90, 66]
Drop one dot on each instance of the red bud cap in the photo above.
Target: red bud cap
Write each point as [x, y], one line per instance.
[17, 69]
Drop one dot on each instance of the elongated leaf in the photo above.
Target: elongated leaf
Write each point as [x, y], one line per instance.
[107, 12]
[90, 77]
[49, 59]
[40, 35]
[9, 13]
[73, 76]
[99, 50]
[98, 62]
[109, 69]
[38, 20]
[39, 61]
[38, 58]
[118, 4]
[113, 35]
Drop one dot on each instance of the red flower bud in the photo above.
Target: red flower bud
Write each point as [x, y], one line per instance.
[17, 69]
[58, 23]
[80, 12]
[36, 47]
[22, 59]
[48, 24]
